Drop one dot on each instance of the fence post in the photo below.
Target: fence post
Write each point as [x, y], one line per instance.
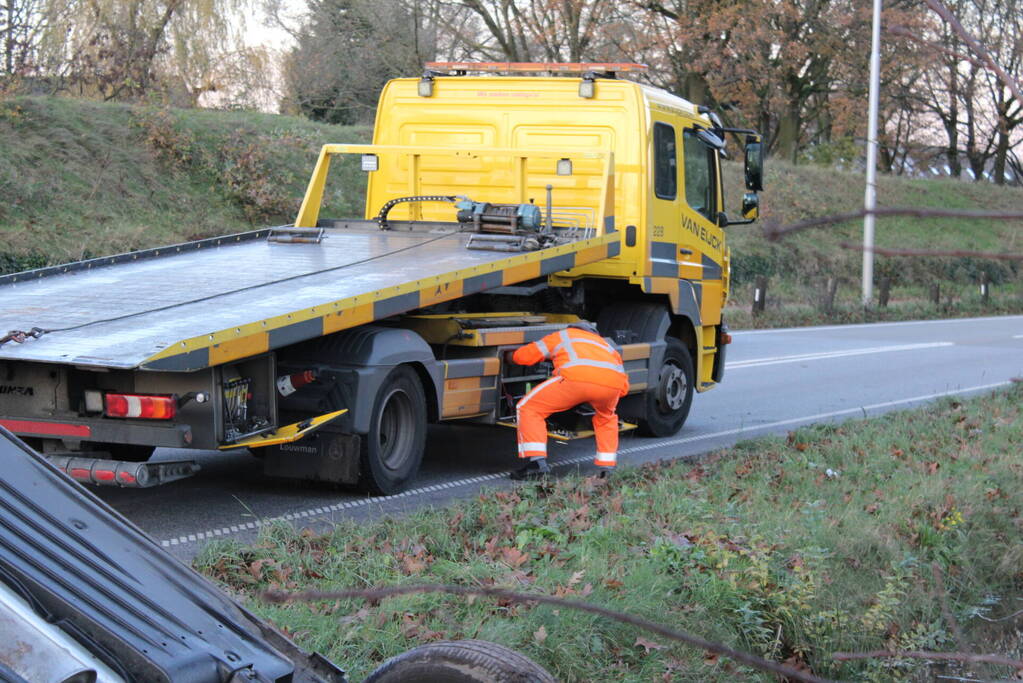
[759, 294]
[883, 291]
[985, 288]
[936, 294]
[829, 294]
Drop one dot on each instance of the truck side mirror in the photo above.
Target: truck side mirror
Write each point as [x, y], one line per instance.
[750, 206]
[754, 164]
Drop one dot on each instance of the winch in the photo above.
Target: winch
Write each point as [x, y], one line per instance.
[505, 219]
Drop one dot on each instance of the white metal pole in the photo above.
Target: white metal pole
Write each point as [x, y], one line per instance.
[870, 197]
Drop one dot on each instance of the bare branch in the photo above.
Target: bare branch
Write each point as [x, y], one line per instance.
[955, 253]
[942, 656]
[773, 232]
[941, 10]
[904, 32]
[997, 619]
[375, 594]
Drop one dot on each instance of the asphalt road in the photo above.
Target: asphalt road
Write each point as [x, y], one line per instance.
[775, 380]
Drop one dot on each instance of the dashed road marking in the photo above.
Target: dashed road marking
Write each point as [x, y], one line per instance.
[752, 430]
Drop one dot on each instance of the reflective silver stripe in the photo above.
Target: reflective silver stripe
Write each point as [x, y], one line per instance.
[607, 457]
[525, 399]
[543, 348]
[595, 364]
[532, 446]
[594, 342]
[573, 357]
[566, 343]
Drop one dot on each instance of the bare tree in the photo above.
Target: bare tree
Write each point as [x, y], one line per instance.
[21, 22]
[129, 49]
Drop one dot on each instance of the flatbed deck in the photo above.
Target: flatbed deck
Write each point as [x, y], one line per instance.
[195, 305]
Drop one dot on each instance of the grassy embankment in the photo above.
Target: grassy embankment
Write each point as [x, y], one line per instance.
[790, 548]
[799, 265]
[83, 179]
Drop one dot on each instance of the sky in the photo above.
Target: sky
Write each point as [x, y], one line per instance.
[259, 34]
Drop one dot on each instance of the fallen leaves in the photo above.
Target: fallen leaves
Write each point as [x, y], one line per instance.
[696, 474]
[513, 557]
[648, 645]
[412, 557]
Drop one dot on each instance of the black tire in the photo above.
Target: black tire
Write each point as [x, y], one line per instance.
[393, 449]
[128, 452]
[460, 661]
[668, 402]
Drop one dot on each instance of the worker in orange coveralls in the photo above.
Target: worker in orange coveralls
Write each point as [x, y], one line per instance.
[586, 370]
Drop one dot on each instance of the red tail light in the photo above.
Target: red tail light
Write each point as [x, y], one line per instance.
[136, 405]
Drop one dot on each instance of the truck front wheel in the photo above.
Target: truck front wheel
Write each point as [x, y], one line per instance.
[393, 449]
[668, 402]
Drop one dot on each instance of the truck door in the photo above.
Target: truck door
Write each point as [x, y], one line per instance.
[700, 180]
[665, 206]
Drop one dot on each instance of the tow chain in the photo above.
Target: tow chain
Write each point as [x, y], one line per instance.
[20, 337]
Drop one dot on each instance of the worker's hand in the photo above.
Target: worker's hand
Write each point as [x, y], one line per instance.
[509, 357]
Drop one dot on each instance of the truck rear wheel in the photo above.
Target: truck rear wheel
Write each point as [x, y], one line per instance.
[668, 402]
[393, 449]
[460, 661]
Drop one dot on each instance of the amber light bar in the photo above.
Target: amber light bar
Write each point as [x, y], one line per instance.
[533, 67]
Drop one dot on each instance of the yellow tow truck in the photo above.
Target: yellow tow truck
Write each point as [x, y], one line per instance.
[501, 205]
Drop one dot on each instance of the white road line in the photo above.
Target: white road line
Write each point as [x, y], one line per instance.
[813, 418]
[823, 355]
[750, 429]
[786, 330]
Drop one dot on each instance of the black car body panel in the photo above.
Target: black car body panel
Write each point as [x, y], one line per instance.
[91, 572]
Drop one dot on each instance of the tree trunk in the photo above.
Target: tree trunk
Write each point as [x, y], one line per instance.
[952, 125]
[695, 88]
[1001, 149]
[788, 133]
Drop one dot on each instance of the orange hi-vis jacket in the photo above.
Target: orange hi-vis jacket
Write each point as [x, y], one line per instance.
[579, 356]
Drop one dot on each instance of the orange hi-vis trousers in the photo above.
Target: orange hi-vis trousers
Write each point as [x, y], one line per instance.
[558, 394]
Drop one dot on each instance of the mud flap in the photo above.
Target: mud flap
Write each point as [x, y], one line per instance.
[325, 456]
[288, 434]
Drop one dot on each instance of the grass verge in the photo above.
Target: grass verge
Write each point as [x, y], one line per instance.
[792, 548]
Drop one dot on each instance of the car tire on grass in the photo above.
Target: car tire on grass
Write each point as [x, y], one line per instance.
[460, 661]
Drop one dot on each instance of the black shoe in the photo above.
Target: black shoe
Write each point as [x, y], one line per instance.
[604, 474]
[534, 469]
